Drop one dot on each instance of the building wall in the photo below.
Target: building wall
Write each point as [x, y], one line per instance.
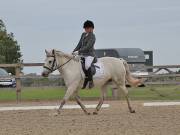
[149, 59]
[137, 63]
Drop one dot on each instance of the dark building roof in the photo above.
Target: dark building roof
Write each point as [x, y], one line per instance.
[131, 55]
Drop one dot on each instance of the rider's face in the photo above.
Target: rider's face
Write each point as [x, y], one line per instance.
[87, 30]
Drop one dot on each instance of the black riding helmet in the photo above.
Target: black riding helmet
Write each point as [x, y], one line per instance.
[88, 24]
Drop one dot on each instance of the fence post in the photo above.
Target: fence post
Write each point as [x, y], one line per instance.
[18, 83]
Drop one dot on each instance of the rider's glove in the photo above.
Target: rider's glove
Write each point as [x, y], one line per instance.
[75, 53]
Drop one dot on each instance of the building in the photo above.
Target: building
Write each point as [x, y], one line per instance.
[136, 57]
[149, 59]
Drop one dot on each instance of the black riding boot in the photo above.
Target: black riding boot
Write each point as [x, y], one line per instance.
[85, 83]
[86, 80]
[90, 78]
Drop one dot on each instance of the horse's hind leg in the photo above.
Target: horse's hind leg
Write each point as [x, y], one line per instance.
[125, 92]
[78, 100]
[98, 107]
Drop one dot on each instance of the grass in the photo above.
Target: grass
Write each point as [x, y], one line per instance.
[43, 93]
[165, 92]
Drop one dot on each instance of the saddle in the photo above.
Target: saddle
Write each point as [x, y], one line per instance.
[93, 67]
[90, 72]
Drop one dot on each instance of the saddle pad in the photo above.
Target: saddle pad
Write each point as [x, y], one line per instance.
[99, 70]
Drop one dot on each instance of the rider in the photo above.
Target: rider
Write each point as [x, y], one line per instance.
[85, 48]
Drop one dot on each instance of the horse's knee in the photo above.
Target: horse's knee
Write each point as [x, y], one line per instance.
[66, 97]
[70, 91]
[64, 100]
[124, 90]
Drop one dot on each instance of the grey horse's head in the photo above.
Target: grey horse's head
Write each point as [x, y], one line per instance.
[50, 63]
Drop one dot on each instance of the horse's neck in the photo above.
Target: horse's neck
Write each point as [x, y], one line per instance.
[63, 61]
[68, 70]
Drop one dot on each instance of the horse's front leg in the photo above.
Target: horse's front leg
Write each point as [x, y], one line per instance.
[78, 100]
[70, 91]
[61, 106]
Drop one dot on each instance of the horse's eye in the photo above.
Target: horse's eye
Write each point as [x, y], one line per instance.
[50, 62]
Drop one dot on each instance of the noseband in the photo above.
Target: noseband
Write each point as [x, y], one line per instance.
[57, 67]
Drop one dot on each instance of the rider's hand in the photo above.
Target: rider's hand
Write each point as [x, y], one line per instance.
[75, 53]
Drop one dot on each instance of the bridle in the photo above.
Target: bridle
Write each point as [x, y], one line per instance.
[54, 62]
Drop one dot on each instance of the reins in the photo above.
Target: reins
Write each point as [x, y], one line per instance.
[51, 69]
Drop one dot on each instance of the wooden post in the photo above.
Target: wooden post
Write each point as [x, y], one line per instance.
[18, 84]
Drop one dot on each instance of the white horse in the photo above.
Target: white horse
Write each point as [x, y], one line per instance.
[115, 70]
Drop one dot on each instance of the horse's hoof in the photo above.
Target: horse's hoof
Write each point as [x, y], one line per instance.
[57, 113]
[133, 111]
[95, 113]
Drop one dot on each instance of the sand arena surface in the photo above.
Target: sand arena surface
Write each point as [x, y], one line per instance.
[115, 120]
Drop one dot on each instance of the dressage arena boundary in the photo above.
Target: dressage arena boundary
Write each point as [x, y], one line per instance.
[26, 108]
[156, 104]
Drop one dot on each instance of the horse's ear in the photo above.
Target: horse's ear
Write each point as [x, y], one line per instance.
[46, 52]
[53, 52]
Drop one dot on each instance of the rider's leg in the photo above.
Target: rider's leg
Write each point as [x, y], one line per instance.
[88, 62]
[85, 82]
[90, 78]
[85, 72]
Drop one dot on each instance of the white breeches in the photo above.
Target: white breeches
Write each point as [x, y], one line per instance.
[88, 61]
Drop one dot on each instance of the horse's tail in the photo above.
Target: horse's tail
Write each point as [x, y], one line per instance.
[131, 80]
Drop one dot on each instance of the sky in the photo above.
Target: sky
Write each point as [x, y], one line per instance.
[57, 24]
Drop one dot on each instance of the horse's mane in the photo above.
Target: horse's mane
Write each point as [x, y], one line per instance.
[62, 54]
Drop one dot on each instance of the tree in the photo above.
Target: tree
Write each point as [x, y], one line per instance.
[9, 48]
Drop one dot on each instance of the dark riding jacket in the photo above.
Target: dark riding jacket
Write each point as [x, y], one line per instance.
[85, 46]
